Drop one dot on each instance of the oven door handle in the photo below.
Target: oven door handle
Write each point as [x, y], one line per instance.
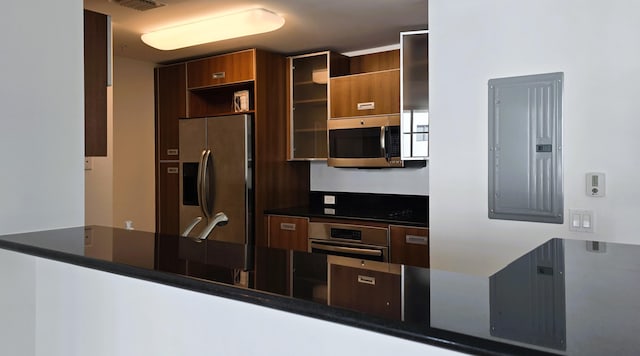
[354, 250]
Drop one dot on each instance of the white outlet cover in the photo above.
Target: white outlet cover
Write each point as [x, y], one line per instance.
[330, 199]
[88, 163]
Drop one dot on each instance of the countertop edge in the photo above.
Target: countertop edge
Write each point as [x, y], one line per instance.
[293, 212]
[435, 337]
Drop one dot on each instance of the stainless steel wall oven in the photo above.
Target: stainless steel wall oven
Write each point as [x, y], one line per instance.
[349, 240]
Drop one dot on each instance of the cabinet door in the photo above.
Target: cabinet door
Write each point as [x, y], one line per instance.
[171, 106]
[376, 93]
[415, 94]
[95, 83]
[168, 198]
[309, 77]
[368, 291]
[223, 69]
[409, 246]
[288, 232]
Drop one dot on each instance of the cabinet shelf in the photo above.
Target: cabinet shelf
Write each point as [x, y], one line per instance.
[228, 113]
[309, 82]
[310, 101]
[310, 130]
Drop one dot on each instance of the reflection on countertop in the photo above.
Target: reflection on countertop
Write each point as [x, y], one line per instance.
[565, 297]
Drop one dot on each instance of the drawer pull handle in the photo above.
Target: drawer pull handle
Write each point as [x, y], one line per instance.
[172, 152]
[217, 75]
[417, 240]
[172, 170]
[367, 280]
[288, 226]
[367, 106]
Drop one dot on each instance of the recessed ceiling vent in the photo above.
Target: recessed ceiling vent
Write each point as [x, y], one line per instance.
[140, 5]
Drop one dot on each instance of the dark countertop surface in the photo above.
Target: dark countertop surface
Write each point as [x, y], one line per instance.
[564, 297]
[392, 209]
[345, 214]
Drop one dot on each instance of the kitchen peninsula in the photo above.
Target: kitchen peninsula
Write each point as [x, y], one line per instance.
[544, 302]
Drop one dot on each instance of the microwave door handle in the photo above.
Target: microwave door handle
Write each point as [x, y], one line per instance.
[383, 148]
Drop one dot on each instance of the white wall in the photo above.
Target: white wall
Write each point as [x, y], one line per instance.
[87, 312]
[17, 303]
[41, 96]
[133, 144]
[594, 44]
[413, 181]
[121, 186]
[98, 181]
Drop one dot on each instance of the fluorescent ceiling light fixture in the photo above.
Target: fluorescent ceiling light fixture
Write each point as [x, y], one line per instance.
[239, 24]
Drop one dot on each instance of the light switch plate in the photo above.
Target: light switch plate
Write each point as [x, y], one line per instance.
[581, 220]
[88, 163]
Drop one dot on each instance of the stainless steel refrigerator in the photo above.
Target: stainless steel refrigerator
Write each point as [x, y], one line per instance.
[216, 176]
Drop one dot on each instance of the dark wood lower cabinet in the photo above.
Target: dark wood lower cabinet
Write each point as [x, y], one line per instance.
[168, 196]
[365, 290]
[288, 232]
[409, 245]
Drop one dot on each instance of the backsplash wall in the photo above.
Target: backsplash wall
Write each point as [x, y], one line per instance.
[413, 181]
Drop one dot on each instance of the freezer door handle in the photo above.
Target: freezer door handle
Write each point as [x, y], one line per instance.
[193, 224]
[205, 188]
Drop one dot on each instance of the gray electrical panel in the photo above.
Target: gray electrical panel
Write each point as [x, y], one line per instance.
[525, 148]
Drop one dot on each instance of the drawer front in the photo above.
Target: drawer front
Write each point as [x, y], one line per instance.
[218, 70]
[409, 246]
[368, 291]
[376, 93]
[288, 232]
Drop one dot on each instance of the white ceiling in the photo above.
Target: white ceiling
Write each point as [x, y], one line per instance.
[311, 25]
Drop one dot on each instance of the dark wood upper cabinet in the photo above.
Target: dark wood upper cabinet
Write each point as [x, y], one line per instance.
[222, 69]
[95, 83]
[171, 106]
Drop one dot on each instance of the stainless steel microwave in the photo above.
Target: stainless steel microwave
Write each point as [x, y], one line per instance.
[372, 141]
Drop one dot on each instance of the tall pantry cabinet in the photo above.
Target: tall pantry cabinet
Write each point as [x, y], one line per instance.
[171, 105]
[205, 87]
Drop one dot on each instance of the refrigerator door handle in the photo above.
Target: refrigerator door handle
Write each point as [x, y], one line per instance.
[200, 179]
[211, 190]
[205, 187]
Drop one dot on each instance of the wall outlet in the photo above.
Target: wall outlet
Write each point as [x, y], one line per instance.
[88, 236]
[330, 200]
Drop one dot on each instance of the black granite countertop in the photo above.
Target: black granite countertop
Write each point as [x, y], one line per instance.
[564, 297]
[393, 209]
